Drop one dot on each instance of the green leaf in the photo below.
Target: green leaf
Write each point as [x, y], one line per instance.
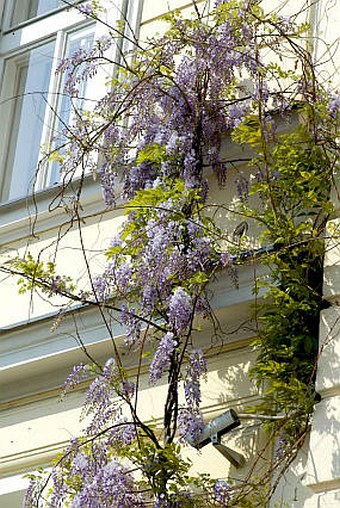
[154, 153]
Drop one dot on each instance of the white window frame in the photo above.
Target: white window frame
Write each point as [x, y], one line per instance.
[56, 25]
[7, 8]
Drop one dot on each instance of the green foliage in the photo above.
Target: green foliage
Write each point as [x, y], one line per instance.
[295, 174]
[248, 132]
[36, 274]
[163, 466]
[154, 153]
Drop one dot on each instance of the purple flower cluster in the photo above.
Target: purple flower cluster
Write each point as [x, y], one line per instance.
[101, 407]
[197, 363]
[165, 252]
[122, 434]
[222, 492]
[149, 298]
[32, 496]
[196, 368]
[82, 65]
[79, 373]
[281, 447]
[133, 325]
[162, 357]
[192, 105]
[100, 289]
[334, 105]
[105, 483]
[86, 9]
[160, 501]
[180, 310]
[190, 425]
[242, 186]
[80, 464]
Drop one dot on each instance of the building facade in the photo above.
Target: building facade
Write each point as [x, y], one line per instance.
[35, 423]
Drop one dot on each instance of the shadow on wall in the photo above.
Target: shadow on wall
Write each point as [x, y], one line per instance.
[292, 491]
[237, 385]
[324, 453]
[331, 281]
[328, 373]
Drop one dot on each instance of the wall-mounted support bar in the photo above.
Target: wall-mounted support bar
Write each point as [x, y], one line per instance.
[235, 458]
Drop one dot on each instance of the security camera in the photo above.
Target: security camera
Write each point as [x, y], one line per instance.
[213, 431]
[216, 427]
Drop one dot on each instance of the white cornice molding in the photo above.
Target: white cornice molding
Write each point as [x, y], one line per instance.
[20, 218]
[32, 356]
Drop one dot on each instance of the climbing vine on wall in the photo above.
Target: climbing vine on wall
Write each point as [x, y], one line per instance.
[160, 131]
[295, 207]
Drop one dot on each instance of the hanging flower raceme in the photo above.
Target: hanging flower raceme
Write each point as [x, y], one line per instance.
[180, 310]
[196, 369]
[161, 360]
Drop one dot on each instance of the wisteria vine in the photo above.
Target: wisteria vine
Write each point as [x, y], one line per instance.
[161, 132]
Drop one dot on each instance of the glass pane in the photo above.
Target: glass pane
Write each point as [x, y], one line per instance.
[66, 108]
[24, 10]
[32, 77]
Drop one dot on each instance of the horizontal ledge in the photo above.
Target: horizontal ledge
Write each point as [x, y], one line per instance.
[325, 486]
[17, 463]
[333, 391]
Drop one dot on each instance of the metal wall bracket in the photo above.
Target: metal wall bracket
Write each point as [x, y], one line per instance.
[235, 458]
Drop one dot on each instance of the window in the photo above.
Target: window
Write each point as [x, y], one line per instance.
[24, 10]
[33, 107]
[17, 12]
[30, 74]
[64, 108]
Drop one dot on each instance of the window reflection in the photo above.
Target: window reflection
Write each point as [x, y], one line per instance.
[32, 76]
[67, 107]
[24, 10]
